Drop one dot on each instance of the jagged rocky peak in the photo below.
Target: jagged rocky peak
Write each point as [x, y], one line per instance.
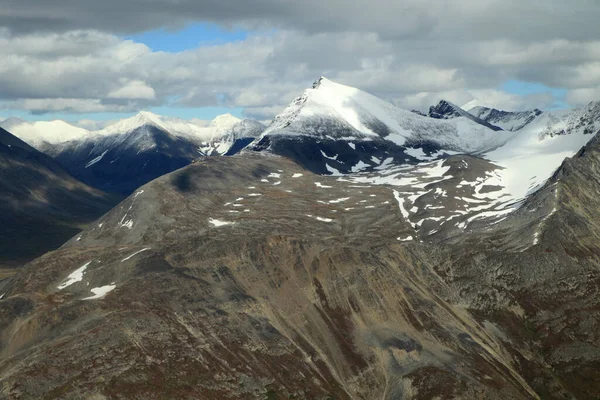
[445, 110]
[318, 82]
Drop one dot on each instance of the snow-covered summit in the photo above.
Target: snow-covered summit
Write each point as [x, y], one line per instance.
[224, 121]
[334, 111]
[220, 127]
[175, 126]
[12, 121]
[231, 133]
[39, 133]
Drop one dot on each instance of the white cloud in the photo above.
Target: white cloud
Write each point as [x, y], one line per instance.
[135, 89]
[93, 125]
[38, 106]
[579, 97]
[461, 20]
[488, 97]
[411, 58]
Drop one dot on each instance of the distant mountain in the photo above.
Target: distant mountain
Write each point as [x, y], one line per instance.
[507, 120]
[133, 151]
[124, 156]
[334, 128]
[41, 204]
[231, 135]
[40, 134]
[120, 163]
[216, 137]
[446, 110]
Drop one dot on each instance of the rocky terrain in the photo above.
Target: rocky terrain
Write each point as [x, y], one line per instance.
[250, 277]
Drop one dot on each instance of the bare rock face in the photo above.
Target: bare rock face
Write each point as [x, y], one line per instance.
[249, 277]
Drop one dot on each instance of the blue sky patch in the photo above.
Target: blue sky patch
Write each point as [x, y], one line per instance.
[190, 37]
[523, 88]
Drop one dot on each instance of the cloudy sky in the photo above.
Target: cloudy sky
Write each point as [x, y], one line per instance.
[89, 59]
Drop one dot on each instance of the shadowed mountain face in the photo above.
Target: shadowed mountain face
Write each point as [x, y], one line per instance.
[249, 277]
[41, 204]
[130, 153]
[122, 163]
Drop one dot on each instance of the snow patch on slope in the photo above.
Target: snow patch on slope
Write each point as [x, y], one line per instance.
[74, 277]
[100, 292]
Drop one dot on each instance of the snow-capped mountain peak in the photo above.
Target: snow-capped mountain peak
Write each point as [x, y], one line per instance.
[445, 110]
[333, 111]
[144, 118]
[196, 130]
[224, 121]
[41, 133]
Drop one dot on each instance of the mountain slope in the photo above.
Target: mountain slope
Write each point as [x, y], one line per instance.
[294, 297]
[509, 121]
[444, 198]
[120, 163]
[41, 205]
[545, 278]
[253, 278]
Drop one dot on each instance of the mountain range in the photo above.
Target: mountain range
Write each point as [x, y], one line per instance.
[131, 152]
[353, 250]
